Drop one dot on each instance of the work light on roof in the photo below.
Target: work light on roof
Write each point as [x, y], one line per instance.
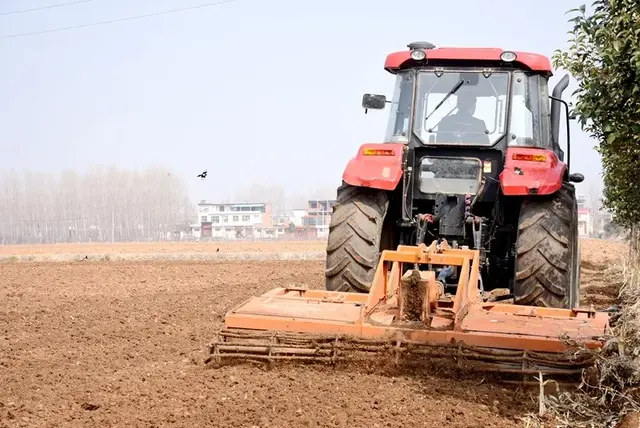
[418, 55]
[508, 56]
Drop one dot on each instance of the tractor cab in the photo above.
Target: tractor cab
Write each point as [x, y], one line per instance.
[463, 115]
[486, 98]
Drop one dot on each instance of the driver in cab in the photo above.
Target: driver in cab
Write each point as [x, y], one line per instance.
[463, 127]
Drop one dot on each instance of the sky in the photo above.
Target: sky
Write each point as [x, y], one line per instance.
[254, 91]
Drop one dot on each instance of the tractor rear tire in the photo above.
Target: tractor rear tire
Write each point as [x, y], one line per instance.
[547, 266]
[355, 235]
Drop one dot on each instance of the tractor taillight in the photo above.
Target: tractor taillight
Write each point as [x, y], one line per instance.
[528, 157]
[378, 152]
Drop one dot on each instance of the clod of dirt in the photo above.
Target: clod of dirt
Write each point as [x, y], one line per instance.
[89, 407]
[630, 420]
[412, 296]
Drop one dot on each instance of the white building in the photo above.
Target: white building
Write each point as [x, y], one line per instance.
[585, 218]
[318, 216]
[298, 216]
[235, 221]
[585, 222]
[195, 231]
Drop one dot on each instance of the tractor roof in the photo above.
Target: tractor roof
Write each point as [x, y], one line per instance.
[534, 62]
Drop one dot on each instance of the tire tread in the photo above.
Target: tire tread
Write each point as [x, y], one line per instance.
[545, 258]
[353, 247]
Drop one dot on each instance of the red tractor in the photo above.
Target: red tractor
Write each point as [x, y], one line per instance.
[471, 155]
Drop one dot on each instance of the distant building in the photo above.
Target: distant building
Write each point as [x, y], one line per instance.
[236, 221]
[280, 219]
[195, 231]
[601, 221]
[297, 217]
[585, 223]
[318, 216]
[585, 217]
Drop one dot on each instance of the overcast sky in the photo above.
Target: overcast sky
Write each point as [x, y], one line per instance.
[243, 89]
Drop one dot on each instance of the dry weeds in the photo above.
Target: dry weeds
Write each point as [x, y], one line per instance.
[612, 390]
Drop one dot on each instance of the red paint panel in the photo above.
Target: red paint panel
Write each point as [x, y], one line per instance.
[378, 172]
[535, 62]
[520, 176]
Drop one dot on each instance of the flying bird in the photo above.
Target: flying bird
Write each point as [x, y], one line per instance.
[203, 175]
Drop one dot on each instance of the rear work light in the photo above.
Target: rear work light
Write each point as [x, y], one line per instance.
[526, 157]
[508, 56]
[418, 55]
[378, 152]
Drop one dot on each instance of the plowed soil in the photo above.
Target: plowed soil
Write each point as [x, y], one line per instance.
[122, 343]
[169, 247]
[601, 272]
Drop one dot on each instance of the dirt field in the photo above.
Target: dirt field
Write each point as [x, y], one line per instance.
[600, 272]
[121, 343]
[163, 248]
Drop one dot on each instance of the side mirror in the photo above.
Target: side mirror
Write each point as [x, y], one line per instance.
[576, 177]
[373, 101]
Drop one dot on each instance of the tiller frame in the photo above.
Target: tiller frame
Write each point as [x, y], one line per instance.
[410, 314]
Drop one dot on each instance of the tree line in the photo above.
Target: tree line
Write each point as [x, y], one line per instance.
[105, 204]
[603, 54]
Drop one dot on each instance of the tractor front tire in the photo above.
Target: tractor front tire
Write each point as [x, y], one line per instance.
[547, 266]
[355, 234]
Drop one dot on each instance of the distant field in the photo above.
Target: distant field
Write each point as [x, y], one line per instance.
[263, 250]
[165, 251]
[162, 247]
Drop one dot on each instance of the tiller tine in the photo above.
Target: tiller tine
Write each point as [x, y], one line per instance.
[410, 314]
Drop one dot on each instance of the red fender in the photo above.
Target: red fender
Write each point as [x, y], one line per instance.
[531, 171]
[378, 166]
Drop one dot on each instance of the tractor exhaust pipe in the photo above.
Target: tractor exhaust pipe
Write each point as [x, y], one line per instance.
[555, 109]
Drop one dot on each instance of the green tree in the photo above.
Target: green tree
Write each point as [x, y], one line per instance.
[604, 57]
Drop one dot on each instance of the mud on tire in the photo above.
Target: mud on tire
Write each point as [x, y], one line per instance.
[355, 232]
[547, 264]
